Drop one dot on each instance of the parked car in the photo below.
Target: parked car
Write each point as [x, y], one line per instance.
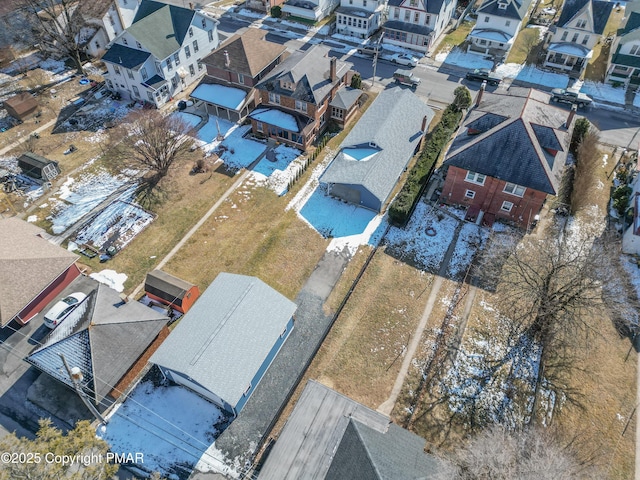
[406, 77]
[404, 59]
[369, 50]
[483, 74]
[63, 308]
[568, 96]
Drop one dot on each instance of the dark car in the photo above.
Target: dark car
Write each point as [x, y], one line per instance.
[483, 74]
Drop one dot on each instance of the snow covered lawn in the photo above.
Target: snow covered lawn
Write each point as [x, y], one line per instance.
[603, 92]
[277, 172]
[461, 58]
[471, 239]
[155, 421]
[240, 152]
[210, 130]
[532, 74]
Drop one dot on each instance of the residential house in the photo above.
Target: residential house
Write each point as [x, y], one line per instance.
[225, 343]
[570, 41]
[330, 437]
[497, 26]
[359, 18]
[508, 157]
[109, 340]
[295, 96]
[312, 10]
[21, 106]
[624, 60]
[263, 5]
[233, 70]
[631, 235]
[34, 271]
[172, 291]
[378, 149]
[107, 22]
[345, 105]
[416, 24]
[160, 53]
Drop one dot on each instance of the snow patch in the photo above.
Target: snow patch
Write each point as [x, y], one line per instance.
[111, 278]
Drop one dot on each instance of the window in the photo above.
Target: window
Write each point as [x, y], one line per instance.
[199, 65]
[143, 73]
[97, 44]
[507, 23]
[129, 74]
[187, 51]
[482, 41]
[150, 95]
[116, 69]
[364, 3]
[469, 194]
[427, 19]
[259, 127]
[192, 70]
[176, 58]
[575, 37]
[337, 113]
[506, 206]
[169, 64]
[407, 15]
[416, 17]
[138, 45]
[191, 31]
[564, 36]
[514, 189]
[502, 6]
[301, 106]
[136, 92]
[413, 3]
[634, 49]
[474, 177]
[274, 98]
[486, 19]
[204, 23]
[111, 20]
[581, 23]
[585, 39]
[240, 78]
[124, 40]
[109, 84]
[396, 13]
[210, 32]
[195, 46]
[158, 67]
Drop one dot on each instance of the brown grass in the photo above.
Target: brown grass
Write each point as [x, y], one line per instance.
[597, 66]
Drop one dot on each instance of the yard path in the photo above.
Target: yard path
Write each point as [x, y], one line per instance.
[387, 406]
[19, 142]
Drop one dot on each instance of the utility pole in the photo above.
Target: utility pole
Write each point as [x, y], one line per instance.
[375, 64]
[76, 376]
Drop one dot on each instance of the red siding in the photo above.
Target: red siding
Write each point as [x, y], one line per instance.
[48, 294]
[490, 197]
[186, 302]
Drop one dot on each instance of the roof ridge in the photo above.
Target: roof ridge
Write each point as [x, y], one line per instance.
[364, 444]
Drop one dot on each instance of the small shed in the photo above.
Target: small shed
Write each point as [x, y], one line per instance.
[38, 167]
[21, 106]
[170, 290]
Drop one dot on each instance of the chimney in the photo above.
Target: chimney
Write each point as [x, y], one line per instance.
[572, 113]
[424, 124]
[227, 61]
[480, 93]
[332, 70]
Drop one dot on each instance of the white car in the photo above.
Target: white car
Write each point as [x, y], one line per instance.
[61, 309]
[404, 59]
[548, 11]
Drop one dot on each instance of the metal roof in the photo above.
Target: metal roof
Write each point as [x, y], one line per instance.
[226, 335]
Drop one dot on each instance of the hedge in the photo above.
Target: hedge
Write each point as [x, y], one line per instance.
[402, 205]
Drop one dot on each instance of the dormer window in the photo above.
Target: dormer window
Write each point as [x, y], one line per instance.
[502, 5]
[581, 23]
[287, 85]
[373, 145]
[413, 3]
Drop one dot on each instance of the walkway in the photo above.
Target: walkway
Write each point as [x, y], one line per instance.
[23, 139]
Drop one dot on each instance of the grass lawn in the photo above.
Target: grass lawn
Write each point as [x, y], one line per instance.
[526, 46]
[597, 66]
[455, 37]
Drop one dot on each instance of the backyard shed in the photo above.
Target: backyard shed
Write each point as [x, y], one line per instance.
[21, 106]
[223, 346]
[38, 167]
[169, 290]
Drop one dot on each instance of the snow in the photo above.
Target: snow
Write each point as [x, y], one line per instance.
[224, 96]
[277, 174]
[111, 278]
[463, 59]
[171, 425]
[471, 239]
[603, 92]
[188, 118]
[209, 131]
[532, 74]
[32, 218]
[275, 117]
[239, 152]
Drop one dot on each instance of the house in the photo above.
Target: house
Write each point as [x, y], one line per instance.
[330, 437]
[378, 149]
[21, 106]
[359, 18]
[345, 105]
[570, 41]
[416, 24]
[295, 96]
[498, 23]
[225, 343]
[107, 21]
[263, 5]
[38, 167]
[169, 290]
[624, 60]
[33, 270]
[631, 235]
[109, 340]
[508, 157]
[311, 10]
[233, 70]
[160, 53]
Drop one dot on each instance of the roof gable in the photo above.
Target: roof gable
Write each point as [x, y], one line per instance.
[486, 122]
[516, 9]
[595, 12]
[125, 57]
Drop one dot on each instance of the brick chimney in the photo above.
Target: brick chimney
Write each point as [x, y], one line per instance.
[333, 75]
[481, 92]
[572, 113]
[227, 61]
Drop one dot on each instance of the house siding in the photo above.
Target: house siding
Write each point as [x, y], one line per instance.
[180, 379]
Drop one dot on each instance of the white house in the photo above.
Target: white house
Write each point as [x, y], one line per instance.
[498, 23]
[359, 18]
[314, 10]
[416, 24]
[107, 25]
[160, 53]
[624, 64]
[569, 43]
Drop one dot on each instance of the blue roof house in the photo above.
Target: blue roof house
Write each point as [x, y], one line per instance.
[225, 343]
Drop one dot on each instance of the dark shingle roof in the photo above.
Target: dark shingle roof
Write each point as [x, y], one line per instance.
[627, 60]
[601, 11]
[514, 150]
[124, 56]
[486, 122]
[515, 8]
[434, 6]
[346, 97]
[632, 10]
[163, 285]
[407, 27]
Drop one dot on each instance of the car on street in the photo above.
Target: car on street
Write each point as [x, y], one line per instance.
[63, 308]
[405, 59]
[406, 77]
[369, 50]
[562, 95]
[483, 74]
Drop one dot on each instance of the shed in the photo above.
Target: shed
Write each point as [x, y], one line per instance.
[169, 290]
[38, 167]
[223, 346]
[21, 106]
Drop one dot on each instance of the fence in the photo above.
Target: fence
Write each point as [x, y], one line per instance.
[308, 161]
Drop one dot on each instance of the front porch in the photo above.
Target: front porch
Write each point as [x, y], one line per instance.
[568, 58]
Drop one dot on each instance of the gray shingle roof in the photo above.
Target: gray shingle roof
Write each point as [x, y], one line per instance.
[226, 335]
[626, 60]
[514, 150]
[632, 11]
[393, 123]
[309, 71]
[516, 9]
[330, 436]
[346, 97]
[124, 56]
[161, 28]
[433, 6]
[600, 12]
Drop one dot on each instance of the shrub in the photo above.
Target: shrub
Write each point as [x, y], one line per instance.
[276, 11]
[356, 81]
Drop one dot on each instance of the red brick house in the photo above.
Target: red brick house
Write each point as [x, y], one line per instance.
[295, 99]
[233, 70]
[507, 157]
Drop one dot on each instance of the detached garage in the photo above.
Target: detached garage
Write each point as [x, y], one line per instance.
[169, 290]
[224, 345]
